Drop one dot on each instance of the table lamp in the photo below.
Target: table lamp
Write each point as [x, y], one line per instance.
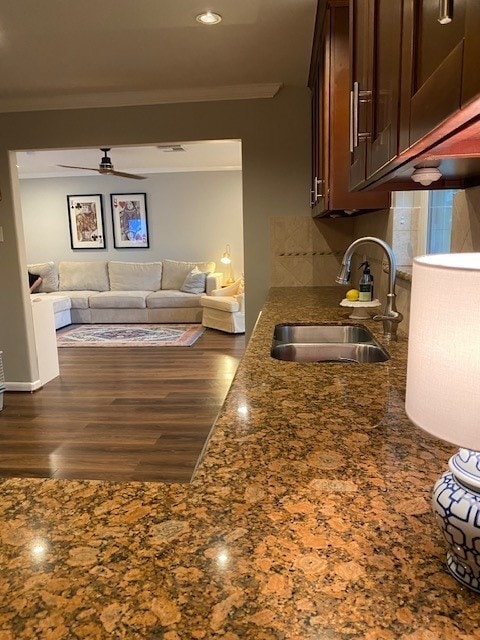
[227, 259]
[443, 394]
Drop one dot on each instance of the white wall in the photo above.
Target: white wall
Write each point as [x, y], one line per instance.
[191, 216]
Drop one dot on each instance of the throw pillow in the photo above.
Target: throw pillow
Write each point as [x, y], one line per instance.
[241, 285]
[48, 272]
[175, 272]
[194, 282]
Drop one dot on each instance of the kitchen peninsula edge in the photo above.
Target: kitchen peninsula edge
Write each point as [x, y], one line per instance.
[308, 517]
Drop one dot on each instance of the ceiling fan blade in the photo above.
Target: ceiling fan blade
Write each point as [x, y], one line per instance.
[125, 175]
[105, 171]
[106, 168]
[69, 166]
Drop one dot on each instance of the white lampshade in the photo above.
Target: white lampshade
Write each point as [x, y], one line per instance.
[227, 257]
[443, 371]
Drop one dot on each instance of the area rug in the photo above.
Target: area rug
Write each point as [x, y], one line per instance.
[129, 335]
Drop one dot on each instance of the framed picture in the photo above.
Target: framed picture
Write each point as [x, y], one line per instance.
[129, 217]
[85, 215]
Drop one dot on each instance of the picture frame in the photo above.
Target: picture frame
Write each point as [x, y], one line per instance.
[129, 220]
[85, 216]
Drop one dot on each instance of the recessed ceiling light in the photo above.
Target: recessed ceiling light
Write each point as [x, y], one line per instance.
[209, 18]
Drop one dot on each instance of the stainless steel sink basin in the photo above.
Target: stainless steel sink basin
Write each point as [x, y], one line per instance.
[322, 333]
[330, 352]
[326, 343]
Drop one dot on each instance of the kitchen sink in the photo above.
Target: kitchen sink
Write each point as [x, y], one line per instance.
[326, 343]
[307, 333]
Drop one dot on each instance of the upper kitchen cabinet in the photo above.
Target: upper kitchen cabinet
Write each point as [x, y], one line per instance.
[439, 54]
[416, 96]
[471, 57]
[375, 27]
[329, 83]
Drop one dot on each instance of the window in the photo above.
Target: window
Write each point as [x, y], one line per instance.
[422, 223]
[439, 220]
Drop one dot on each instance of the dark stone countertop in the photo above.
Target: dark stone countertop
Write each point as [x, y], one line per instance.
[309, 518]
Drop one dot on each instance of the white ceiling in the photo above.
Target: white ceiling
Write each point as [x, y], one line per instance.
[89, 53]
[216, 155]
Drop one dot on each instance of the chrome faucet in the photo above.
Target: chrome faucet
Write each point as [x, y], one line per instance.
[390, 317]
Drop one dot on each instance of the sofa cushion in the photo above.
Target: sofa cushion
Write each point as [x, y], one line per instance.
[174, 272]
[60, 303]
[227, 303]
[79, 299]
[172, 298]
[194, 282]
[49, 274]
[135, 276]
[119, 300]
[78, 276]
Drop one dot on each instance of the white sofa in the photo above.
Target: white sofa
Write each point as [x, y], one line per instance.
[139, 292]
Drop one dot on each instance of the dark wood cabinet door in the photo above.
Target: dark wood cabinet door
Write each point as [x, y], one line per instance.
[375, 31]
[383, 122]
[436, 52]
[330, 85]
[339, 194]
[318, 198]
[360, 49]
[316, 158]
[471, 55]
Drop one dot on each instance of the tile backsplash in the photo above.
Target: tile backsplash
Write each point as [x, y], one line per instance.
[307, 252]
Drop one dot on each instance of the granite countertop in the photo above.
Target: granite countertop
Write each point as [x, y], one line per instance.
[308, 519]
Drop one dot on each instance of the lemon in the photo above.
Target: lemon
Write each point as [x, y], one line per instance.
[352, 295]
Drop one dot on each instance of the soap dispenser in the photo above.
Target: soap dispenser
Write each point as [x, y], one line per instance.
[365, 286]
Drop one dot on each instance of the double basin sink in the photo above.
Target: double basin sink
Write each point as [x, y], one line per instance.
[349, 343]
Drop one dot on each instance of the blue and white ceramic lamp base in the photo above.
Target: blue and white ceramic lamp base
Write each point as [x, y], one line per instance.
[456, 504]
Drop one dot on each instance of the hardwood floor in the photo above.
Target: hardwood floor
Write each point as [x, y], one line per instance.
[122, 414]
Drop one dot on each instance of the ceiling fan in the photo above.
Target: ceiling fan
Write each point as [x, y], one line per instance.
[106, 167]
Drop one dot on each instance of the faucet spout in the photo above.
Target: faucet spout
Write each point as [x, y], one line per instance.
[391, 317]
[344, 275]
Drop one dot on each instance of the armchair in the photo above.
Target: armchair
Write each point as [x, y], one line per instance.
[224, 309]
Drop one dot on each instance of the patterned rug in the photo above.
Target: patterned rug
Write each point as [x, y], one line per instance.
[129, 335]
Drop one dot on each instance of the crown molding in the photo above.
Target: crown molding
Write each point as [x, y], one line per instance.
[138, 98]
